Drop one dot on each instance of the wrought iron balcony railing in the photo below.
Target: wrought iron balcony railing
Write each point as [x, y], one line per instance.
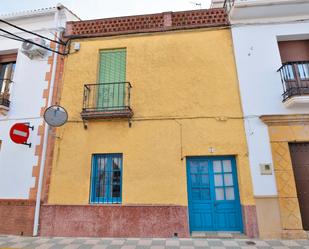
[295, 79]
[228, 4]
[107, 100]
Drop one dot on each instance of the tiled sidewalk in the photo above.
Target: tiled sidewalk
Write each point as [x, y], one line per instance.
[135, 243]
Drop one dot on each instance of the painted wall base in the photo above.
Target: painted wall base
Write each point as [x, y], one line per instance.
[114, 221]
[16, 217]
[249, 214]
[294, 234]
[125, 221]
[268, 213]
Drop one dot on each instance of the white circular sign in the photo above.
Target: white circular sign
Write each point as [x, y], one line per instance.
[55, 116]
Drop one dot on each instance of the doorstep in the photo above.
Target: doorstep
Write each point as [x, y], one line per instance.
[218, 235]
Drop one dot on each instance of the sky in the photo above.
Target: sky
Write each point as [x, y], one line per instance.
[91, 9]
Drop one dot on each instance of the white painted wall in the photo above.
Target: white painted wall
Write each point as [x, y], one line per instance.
[258, 59]
[17, 161]
[266, 11]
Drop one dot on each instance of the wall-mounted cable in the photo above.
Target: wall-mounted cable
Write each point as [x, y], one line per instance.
[60, 42]
[34, 43]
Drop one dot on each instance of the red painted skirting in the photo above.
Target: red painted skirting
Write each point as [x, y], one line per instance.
[114, 221]
[16, 217]
[251, 228]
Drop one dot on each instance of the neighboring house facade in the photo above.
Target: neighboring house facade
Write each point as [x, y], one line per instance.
[271, 44]
[25, 86]
[155, 143]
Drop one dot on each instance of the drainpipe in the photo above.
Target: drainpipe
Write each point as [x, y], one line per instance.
[46, 131]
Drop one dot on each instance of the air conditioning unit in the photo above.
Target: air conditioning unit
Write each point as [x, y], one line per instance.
[31, 50]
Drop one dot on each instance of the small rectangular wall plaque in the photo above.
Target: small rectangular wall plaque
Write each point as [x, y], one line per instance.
[266, 169]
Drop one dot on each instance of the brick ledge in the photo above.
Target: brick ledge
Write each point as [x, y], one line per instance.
[160, 22]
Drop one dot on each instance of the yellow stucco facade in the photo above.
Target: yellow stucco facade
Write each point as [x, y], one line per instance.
[185, 100]
[284, 129]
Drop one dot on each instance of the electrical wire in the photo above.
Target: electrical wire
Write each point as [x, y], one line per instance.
[60, 42]
[174, 118]
[158, 118]
[55, 34]
[19, 119]
[34, 43]
[12, 38]
[21, 39]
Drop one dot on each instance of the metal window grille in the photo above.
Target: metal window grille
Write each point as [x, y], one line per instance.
[6, 75]
[106, 178]
[228, 4]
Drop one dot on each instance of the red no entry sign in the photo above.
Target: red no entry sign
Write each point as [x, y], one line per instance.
[19, 133]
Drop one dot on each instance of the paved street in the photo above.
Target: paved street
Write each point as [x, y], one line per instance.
[135, 243]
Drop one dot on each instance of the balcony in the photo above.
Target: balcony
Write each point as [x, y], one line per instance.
[253, 11]
[106, 101]
[4, 95]
[295, 83]
[4, 102]
[228, 4]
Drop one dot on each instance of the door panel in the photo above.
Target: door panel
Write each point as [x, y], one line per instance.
[213, 194]
[300, 161]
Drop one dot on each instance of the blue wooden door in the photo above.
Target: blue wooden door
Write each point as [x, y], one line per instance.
[213, 194]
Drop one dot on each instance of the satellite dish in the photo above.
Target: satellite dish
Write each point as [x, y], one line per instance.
[55, 116]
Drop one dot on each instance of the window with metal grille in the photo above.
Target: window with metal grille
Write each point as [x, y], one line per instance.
[6, 77]
[106, 178]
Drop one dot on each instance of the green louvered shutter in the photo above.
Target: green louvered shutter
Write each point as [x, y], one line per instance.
[112, 71]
